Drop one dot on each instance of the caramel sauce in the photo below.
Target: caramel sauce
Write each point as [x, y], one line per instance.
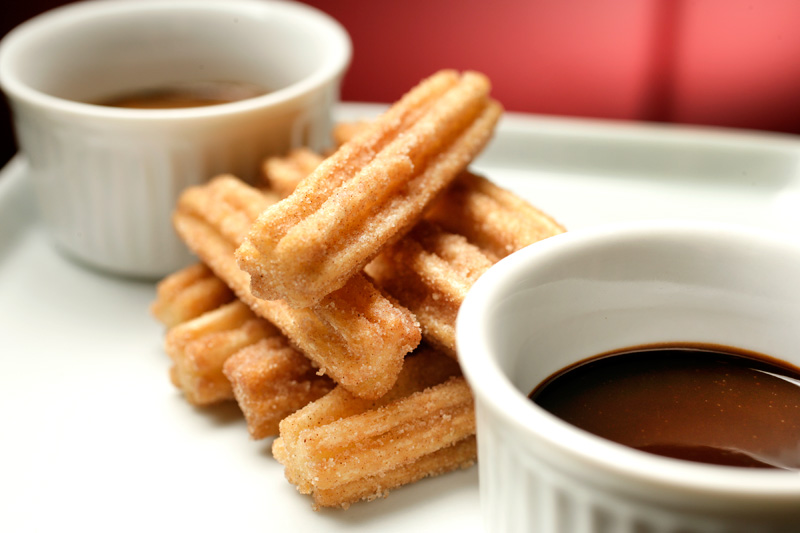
[708, 404]
[186, 95]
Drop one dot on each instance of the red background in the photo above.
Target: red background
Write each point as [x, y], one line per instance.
[733, 63]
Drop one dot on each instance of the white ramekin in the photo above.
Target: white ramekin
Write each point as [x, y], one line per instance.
[107, 178]
[591, 291]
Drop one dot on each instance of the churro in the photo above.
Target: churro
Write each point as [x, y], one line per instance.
[370, 191]
[230, 353]
[496, 220]
[430, 271]
[356, 335]
[187, 294]
[491, 217]
[199, 348]
[271, 380]
[341, 449]
[462, 454]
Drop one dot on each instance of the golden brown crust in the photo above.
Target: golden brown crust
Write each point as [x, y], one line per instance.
[187, 294]
[484, 224]
[397, 433]
[229, 352]
[342, 449]
[462, 454]
[496, 220]
[271, 380]
[373, 189]
[200, 347]
[430, 271]
[356, 335]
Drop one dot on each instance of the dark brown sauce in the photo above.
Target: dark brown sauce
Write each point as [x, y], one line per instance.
[187, 95]
[709, 404]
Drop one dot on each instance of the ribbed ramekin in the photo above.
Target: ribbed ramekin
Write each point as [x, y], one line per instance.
[591, 291]
[107, 178]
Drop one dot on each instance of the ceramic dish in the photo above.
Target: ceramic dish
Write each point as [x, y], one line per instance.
[613, 287]
[107, 176]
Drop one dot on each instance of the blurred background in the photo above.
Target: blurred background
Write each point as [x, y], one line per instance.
[728, 63]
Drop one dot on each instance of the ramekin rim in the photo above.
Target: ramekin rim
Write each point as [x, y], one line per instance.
[340, 50]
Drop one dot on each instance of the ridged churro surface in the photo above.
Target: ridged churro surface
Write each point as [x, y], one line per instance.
[188, 293]
[271, 380]
[341, 449]
[496, 220]
[370, 191]
[230, 353]
[430, 271]
[199, 347]
[355, 335]
[430, 275]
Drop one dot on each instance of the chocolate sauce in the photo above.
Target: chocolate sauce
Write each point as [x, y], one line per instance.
[708, 404]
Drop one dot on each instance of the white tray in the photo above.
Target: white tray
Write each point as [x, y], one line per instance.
[93, 435]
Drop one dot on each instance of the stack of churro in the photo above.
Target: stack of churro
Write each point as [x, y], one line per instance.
[229, 353]
[356, 334]
[325, 302]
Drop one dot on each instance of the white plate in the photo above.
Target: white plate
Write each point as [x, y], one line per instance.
[93, 435]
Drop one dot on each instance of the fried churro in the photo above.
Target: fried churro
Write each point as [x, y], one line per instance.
[356, 335]
[370, 191]
[496, 220]
[342, 449]
[462, 454]
[430, 271]
[493, 218]
[200, 347]
[272, 380]
[229, 353]
[187, 294]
